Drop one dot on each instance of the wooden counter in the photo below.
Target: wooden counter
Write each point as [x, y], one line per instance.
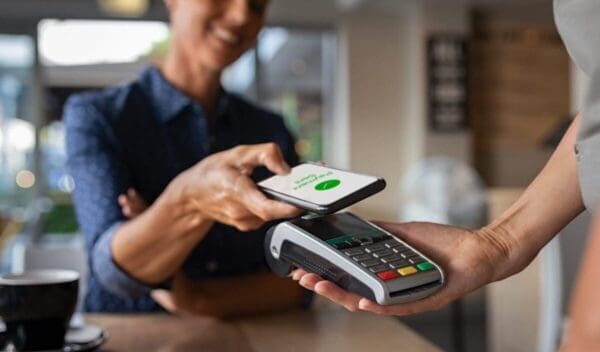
[324, 328]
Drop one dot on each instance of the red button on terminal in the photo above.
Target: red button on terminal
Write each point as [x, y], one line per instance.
[387, 275]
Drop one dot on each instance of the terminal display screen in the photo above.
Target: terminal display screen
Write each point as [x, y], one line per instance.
[334, 226]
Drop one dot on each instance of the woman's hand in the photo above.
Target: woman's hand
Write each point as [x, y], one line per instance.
[153, 245]
[132, 204]
[220, 187]
[470, 259]
[241, 202]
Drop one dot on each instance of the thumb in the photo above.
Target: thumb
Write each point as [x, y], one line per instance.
[268, 155]
[400, 230]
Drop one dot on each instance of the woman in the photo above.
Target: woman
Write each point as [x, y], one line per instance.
[568, 184]
[175, 140]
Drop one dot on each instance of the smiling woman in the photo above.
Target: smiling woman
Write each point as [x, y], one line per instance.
[164, 182]
[208, 36]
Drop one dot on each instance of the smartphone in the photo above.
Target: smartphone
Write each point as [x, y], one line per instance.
[320, 189]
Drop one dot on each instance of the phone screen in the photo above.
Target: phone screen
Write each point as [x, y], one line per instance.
[318, 184]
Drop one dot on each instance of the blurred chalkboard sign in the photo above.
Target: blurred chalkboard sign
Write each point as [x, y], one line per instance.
[447, 82]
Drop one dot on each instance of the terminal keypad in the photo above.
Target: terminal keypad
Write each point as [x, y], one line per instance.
[384, 256]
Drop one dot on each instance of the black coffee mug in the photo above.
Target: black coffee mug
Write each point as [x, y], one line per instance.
[36, 307]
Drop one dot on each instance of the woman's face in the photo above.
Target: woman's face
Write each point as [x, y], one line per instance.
[215, 33]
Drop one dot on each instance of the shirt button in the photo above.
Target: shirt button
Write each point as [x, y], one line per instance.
[212, 266]
[576, 148]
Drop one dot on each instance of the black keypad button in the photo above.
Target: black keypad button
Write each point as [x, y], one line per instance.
[353, 251]
[370, 263]
[392, 244]
[398, 264]
[342, 245]
[391, 258]
[415, 260]
[402, 250]
[362, 257]
[380, 238]
[382, 253]
[364, 241]
[354, 243]
[374, 248]
[379, 268]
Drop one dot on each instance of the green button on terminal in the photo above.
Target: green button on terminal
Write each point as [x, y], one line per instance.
[425, 266]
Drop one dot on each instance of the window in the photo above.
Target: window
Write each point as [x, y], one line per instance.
[85, 42]
[295, 78]
[17, 137]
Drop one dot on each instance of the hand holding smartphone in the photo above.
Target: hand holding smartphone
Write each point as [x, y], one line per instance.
[320, 189]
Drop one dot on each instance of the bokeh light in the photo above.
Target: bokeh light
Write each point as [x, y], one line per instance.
[25, 179]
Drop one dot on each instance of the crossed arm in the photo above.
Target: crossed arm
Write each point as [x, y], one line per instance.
[222, 297]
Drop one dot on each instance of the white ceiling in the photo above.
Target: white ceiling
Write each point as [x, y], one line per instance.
[302, 12]
[326, 11]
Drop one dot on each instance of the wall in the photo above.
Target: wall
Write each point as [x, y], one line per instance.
[378, 109]
[451, 18]
[379, 124]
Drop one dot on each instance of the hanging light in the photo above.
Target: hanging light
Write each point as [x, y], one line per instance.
[124, 8]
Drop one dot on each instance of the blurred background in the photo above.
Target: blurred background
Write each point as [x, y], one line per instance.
[453, 102]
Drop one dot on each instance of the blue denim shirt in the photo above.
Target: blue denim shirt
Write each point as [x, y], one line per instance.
[142, 135]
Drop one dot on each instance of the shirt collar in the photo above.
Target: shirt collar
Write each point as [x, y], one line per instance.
[168, 101]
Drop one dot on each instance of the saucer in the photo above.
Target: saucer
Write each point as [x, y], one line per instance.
[85, 338]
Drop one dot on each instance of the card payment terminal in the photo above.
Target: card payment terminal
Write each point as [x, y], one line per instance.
[355, 254]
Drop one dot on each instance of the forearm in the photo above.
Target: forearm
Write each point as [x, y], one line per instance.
[550, 202]
[236, 296]
[153, 246]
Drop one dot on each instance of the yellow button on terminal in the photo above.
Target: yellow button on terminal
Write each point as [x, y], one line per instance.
[407, 270]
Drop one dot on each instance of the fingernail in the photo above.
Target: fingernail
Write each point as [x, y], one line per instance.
[303, 282]
[363, 304]
[285, 169]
